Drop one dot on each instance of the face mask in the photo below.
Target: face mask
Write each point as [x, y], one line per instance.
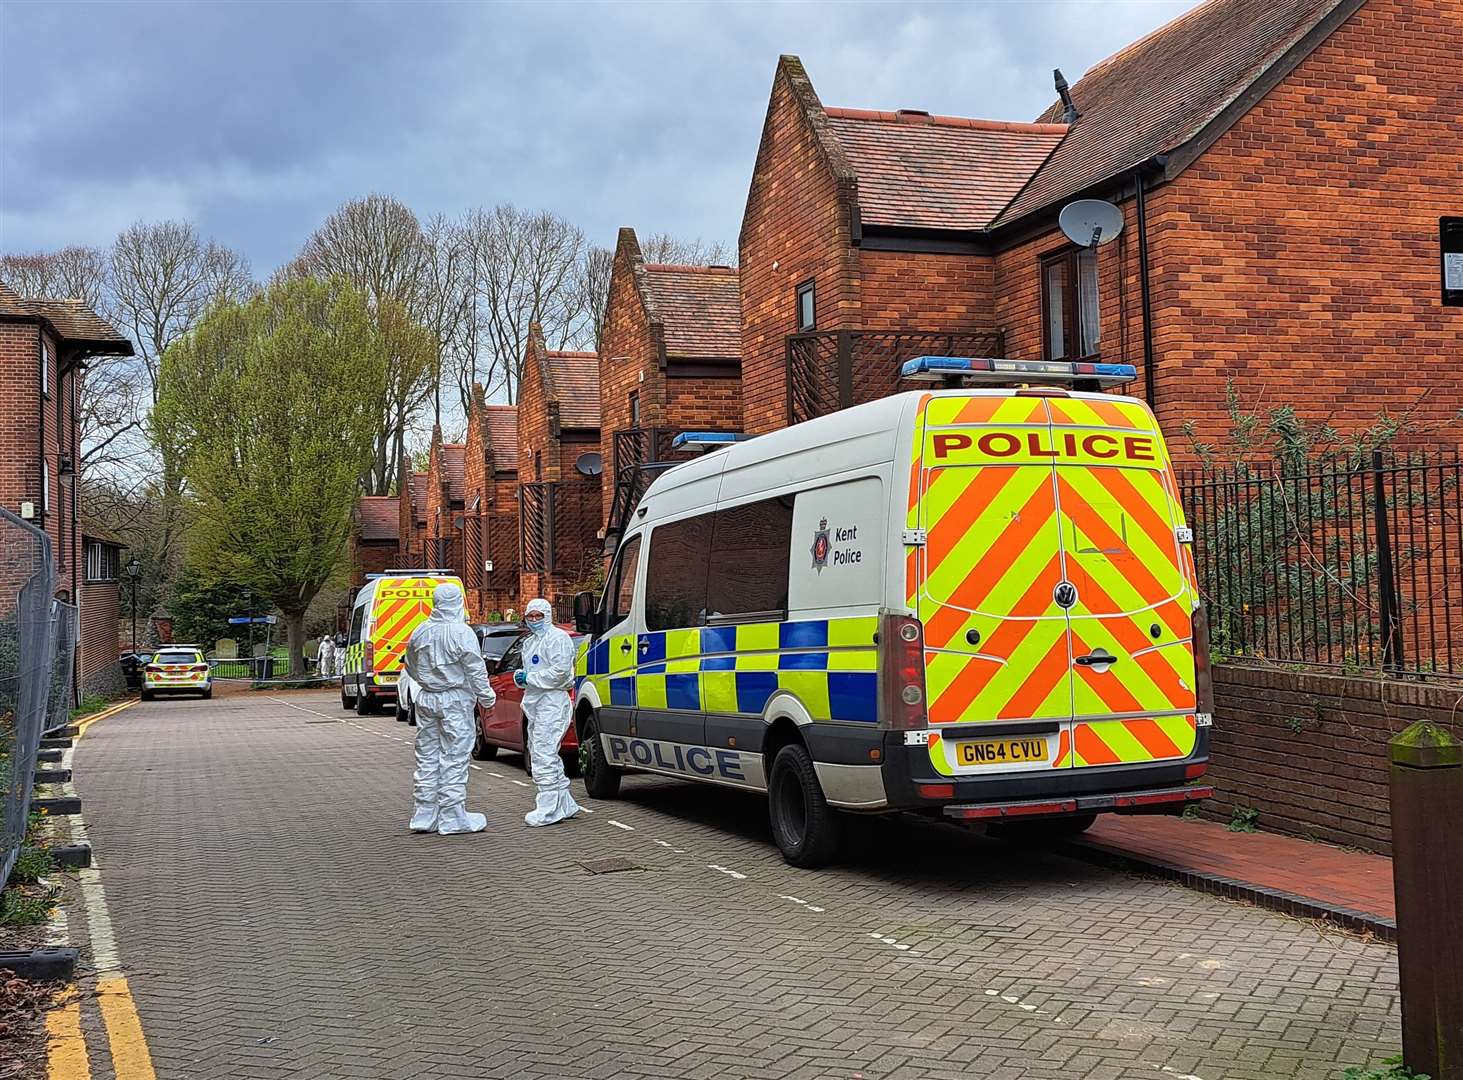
[535, 624]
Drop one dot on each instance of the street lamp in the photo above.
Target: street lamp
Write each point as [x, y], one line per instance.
[134, 570]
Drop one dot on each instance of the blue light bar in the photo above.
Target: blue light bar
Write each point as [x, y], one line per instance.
[989, 370]
[706, 440]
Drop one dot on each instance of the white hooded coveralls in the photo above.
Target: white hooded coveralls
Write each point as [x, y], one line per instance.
[446, 664]
[326, 658]
[548, 670]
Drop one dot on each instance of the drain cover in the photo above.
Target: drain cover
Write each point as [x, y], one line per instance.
[610, 866]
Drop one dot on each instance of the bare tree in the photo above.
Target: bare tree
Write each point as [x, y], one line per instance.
[664, 248]
[592, 290]
[75, 272]
[109, 411]
[412, 277]
[164, 276]
[524, 267]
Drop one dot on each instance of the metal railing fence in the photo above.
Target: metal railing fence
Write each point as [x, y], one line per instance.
[1353, 565]
[28, 622]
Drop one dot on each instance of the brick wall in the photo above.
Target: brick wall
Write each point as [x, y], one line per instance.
[1299, 254]
[97, 668]
[1309, 752]
[1310, 238]
[797, 216]
[916, 291]
[704, 403]
[629, 360]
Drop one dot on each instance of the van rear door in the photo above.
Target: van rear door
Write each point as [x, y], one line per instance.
[401, 605]
[985, 584]
[1133, 677]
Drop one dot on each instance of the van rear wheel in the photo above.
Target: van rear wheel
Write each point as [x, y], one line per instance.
[805, 828]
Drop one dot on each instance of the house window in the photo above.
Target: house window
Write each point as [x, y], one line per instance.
[101, 562]
[1071, 315]
[45, 367]
[538, 466]
[635, 409]
[45, 487]
[807, 307]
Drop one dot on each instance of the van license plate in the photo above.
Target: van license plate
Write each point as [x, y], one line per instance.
[1000, 751]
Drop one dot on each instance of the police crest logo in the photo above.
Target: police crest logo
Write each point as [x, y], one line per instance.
[821, 546]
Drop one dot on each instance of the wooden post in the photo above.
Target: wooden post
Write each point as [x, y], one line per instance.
[1427, 867]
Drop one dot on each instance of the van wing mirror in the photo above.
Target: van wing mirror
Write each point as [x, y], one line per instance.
[584, 614]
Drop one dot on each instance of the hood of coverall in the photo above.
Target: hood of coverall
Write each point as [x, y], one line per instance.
[447, 604]
[544, 608]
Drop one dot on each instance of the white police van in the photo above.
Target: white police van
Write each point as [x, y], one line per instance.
[979, 603]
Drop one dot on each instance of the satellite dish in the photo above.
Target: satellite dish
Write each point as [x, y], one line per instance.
[1090, 222]
[590, 464]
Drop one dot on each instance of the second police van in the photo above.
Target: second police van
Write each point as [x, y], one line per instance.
[979, 603]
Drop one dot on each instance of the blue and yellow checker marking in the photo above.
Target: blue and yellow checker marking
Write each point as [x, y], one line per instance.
[829, 665]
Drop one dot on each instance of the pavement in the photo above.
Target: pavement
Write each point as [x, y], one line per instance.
[1298, 877]
[271, 917]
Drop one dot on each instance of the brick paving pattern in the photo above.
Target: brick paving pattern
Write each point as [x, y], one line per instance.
[277, 920]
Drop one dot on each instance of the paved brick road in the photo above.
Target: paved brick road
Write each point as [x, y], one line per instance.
[277, 920]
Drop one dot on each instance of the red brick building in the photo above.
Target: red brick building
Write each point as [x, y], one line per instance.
[490, 534]
[375, 536]
[558, 473]
[411, 510]
[446, 491]
[669, 361]
[44, 346]
[1292, 171]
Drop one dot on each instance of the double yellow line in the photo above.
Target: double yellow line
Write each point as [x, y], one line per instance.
[66, 1053]
[66, 1056]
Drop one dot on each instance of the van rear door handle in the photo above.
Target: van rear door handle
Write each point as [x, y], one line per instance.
[1097, 658]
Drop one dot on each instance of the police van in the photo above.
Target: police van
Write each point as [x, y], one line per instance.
[385, 612]
[978, 603]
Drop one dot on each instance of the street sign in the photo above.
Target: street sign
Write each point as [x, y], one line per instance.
[238, 620]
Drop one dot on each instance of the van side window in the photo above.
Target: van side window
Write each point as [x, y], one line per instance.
[622, 588]
[357, 621]
[750, 550]
[675, 579]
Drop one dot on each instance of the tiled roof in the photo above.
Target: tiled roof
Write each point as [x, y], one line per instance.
[938, 172]
[700, 309]
[71, 319]
[501, 430]
[454, 467]
[1161, 91]
[419, 497]
[576, 382]
[380, 518]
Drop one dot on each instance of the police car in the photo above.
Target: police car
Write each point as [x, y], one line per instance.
[979, 603]
[177, 669]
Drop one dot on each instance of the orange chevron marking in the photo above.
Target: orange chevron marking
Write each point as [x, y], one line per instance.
[1006, 548]
[1153, 738]
[1092, 749]
[981, 489]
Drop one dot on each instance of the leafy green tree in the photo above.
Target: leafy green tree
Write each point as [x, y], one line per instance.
[275, 405]
[202, 606]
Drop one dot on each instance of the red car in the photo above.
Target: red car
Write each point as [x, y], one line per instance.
[503, 727]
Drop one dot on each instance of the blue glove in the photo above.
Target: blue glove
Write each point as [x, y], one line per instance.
[520, 680]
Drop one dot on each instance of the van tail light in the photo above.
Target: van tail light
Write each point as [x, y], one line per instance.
[368, 658]
[199, 667]
[902, 673]
[1203, 677]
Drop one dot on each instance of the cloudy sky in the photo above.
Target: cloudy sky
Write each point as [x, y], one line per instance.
[255, 120]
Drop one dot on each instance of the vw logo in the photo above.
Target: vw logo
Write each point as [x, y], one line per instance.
[1065, 595]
